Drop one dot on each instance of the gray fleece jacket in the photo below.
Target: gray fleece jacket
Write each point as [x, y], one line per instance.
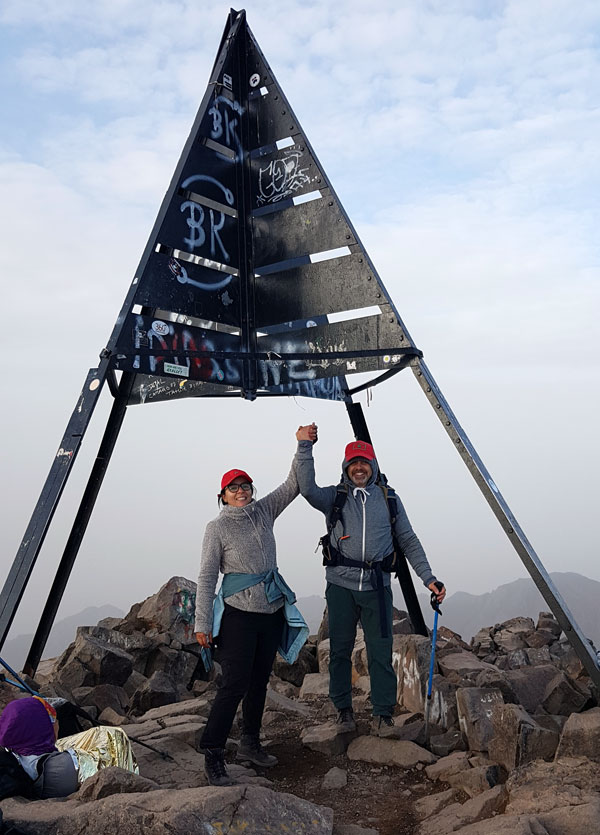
[364, 524]
[241, 540]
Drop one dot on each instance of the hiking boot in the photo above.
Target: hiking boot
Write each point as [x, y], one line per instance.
[250, 750]
[214, 767]
[382, 726]
[345, 720]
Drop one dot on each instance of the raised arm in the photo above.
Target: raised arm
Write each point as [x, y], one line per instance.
[207, 578]
[276, 502]
[321, 498]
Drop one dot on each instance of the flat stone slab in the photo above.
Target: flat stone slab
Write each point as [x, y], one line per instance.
[315, 684]
[327, 739]
[581, 736]
[371, 749]
[453, 817]
[253, 810]
[447, 766]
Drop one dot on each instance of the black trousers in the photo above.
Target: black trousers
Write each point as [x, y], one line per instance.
[248, 642]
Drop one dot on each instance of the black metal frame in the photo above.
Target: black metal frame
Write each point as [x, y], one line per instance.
[250, 335]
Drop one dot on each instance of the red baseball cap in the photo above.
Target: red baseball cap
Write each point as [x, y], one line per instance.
[359, 449]
[230, 475]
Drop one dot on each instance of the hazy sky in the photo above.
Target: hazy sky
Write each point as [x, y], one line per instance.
[461, 137]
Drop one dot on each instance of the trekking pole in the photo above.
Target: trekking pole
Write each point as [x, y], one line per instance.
[437, 611]
[22, 684]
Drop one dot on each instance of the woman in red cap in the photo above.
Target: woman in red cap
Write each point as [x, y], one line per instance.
[252, 614]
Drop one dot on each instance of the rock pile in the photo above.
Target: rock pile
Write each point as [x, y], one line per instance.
[513, 715]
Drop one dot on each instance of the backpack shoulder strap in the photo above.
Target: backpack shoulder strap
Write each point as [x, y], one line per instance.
[336, 511]
[391, 500]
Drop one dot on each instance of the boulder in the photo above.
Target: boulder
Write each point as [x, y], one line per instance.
[371, 749]
[171, 610]
[539, 638]
[444, 744]
[537, 655]
[323, 630]
[246, 808]
[107, 696]
[402, 627]
[294, 673]
[447, 766]
[326, 739]
[508, 641]
[474, 781]
[280, 701]
[563, 697]
[114, 781]
[134, 682]
[546, 620]
[156, 691]
[497, 680]
[443, 711]
[581, 736]
[463, 668]
[315, 684]
[178, 666]
[539, 786]
[456, 816]
[323, 649]
[133, 642]
[475, 714]
[529, 685]
[433, 803]
[410, 659]
[89, 661]
[517, 738]
[360, 662]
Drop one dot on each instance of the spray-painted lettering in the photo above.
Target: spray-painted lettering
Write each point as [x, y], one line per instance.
[281, 178]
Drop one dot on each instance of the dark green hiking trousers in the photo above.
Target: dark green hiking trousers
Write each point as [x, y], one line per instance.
[346, 608]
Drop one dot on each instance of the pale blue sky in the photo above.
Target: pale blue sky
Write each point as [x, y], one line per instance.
[462, 139]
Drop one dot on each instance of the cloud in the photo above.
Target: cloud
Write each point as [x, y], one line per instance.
[461, 137]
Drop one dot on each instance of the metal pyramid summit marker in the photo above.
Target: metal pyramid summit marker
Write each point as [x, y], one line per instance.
[253, 282]
[253, 279]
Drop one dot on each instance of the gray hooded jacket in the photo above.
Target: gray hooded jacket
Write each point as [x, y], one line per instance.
[364, 524]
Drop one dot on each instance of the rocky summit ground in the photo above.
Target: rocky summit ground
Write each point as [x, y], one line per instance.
[512, 749]
[379, 797]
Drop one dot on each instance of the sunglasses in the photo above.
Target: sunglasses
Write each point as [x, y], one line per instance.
[244, 486]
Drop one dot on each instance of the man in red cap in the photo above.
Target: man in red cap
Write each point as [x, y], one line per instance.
[358, 549]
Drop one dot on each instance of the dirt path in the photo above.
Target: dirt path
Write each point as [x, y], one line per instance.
[380, 797]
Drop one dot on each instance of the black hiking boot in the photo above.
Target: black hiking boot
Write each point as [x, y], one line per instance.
[214, 767]
[345, 720]
[250, 750]
[383, 726]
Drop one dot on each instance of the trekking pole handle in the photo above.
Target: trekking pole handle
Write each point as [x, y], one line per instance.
[433, 600]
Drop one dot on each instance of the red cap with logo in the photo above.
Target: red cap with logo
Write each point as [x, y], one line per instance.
[359, 449]
[230, 475]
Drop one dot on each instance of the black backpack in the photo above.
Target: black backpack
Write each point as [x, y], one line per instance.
[14, 780]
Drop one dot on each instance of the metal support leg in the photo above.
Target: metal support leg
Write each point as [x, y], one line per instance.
[39, 523]
[510, 525]
[361, 433]
[80, 524]
[357, 419]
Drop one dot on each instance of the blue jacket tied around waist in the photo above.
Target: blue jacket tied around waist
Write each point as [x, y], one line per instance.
[295, 630]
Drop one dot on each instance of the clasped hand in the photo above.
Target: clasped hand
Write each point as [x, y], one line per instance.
[308, 433]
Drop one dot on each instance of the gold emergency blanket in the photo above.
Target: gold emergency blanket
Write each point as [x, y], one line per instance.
[98, 748]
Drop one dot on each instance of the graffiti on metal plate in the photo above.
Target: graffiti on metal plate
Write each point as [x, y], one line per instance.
[281, 178]
[181, 274]
[226, 115]
[197, 219]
